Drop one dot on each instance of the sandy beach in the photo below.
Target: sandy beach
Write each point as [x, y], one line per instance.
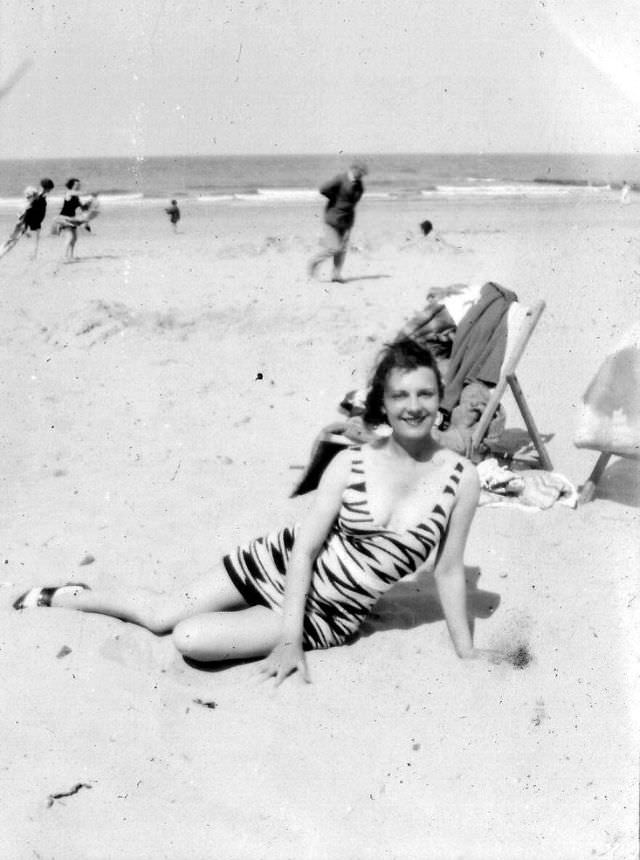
[160, 398]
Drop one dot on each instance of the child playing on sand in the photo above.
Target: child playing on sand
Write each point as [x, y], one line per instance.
[173, 212]
[382, 510]
[31, 218]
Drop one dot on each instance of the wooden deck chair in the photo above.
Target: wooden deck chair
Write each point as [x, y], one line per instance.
[521, 322]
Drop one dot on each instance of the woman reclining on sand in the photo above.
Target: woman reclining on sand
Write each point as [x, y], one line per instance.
[381, 511]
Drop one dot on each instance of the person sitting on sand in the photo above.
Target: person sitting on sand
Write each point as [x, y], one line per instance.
[173, 211]
[382, 510]
[437, 241]
[68, 220]
[31, 218]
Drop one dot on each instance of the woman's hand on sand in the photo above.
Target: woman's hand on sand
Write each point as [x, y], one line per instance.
[285, 659]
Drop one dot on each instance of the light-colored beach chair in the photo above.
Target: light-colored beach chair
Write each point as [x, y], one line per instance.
[521, 322]
[610, 418]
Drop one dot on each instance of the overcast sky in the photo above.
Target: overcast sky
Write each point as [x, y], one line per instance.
[163, 77]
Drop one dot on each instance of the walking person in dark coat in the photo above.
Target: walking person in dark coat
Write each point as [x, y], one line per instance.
[343, 194]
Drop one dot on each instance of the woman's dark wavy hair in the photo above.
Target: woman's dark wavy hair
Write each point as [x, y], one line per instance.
[404, 354]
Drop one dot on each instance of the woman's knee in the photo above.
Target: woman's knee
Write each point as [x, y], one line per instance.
[188, 638]
[223, 635]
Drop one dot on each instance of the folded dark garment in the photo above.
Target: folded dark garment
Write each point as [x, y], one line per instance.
[432, 328]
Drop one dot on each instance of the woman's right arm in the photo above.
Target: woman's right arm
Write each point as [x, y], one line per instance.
[288, 655]
[449, 572]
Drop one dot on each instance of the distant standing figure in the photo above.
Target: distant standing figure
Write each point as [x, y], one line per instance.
[30, 220]
[426, 227]
[68, 220]
[625, 192]
[343, 193]
[173, 211]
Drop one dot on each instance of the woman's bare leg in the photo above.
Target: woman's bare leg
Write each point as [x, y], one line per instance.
[7, 246]
[72, 238]
[157, 612]
[12, 240]
[251, 632]
[36, 233]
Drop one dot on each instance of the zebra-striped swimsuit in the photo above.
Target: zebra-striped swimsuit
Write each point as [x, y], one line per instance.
[358, 562]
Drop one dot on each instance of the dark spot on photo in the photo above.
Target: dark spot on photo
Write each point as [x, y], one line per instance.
[520, 657]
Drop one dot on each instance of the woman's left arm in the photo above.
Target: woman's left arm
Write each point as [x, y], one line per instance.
[449, 573]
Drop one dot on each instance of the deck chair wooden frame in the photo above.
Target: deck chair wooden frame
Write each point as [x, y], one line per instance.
[588, 491]
[525, 319]
[590, 486]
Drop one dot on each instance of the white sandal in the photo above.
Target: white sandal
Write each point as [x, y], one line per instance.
[43, 596]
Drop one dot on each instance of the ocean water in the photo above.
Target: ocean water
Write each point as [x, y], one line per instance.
[268, 179]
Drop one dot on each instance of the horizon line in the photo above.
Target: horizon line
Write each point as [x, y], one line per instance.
[345, 155]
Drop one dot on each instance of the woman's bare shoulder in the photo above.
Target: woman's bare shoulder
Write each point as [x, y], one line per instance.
[378, 444]
[340, 466]
[469, 486]
[451, 458]
[452, 461]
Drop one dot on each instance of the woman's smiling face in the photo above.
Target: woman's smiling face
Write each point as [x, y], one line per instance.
[411, 402]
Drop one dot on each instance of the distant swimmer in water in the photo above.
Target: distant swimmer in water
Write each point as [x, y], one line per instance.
[68, 221]
[173, 211]
[30, 219]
